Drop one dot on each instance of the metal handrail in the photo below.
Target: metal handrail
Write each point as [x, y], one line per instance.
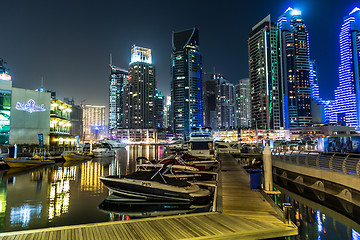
[346, 163]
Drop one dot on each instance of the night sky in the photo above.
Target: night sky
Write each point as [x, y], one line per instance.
[68, 42]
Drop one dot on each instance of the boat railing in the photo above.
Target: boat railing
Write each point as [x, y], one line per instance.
[165, 168]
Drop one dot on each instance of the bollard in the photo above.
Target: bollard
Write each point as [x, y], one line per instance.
[286, 211]
[267, 163]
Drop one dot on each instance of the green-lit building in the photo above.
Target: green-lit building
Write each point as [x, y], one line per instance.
[264, 72]
[5, 103]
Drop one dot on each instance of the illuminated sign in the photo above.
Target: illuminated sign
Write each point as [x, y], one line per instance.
[5, 76]
[30, 106]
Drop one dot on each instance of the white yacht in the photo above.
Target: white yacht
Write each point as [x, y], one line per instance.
[113, 143]
[201, 143]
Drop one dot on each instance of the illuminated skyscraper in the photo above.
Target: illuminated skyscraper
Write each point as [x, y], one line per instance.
[225, 102]
[243, 103]
[347, 102]
[186, 84]
[294, 52]
[158, 110]
[118, 82]
[94, 122]
[140, 91]
[264, 74]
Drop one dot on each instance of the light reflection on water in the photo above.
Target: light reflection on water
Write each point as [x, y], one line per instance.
[315, 221]
[65, 193]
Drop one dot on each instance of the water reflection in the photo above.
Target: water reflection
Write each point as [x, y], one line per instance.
[316, 221]
[63, 193]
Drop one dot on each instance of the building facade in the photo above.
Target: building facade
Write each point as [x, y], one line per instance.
[158, 110]
[118, 83]
[94, 122]
[347, 97]
[140, 91]
[294, 52]
[209, 102]
[186, 83]
[243, 103]
[225, 103]
[267, 111]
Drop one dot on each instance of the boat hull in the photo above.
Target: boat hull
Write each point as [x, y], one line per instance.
[151, 191]
[75, 157]
[23, 163]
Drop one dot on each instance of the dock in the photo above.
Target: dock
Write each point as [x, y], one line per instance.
[242, 213]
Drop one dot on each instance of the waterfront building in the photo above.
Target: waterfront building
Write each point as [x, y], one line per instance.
[243, 103]
[225, 103]
[94, 122]
[30, 116]
[76, 114]
[347, 97]
[186, 83]
[140, 91]
[118, 82]
[294, 52]
[60, 124]
[265, 78]
[137, 136]
[158, 110]
[5, 103]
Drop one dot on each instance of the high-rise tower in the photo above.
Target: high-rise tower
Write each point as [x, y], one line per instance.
[118, 82]
[347, 102]
[294, 51]
[264, 75]
[140, 91]
[243, 103]
[186, 84]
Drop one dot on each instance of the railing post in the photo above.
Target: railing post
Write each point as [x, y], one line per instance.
[317, 161]
[331, 162]
[358, 168]
[344, 164]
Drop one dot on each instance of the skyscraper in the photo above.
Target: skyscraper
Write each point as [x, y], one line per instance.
[264, 74]
[225, 103]
[140, 90]
[243, 103]
[186, 84]
[294, 51]
[347, 97]
[94, 122]
[118, 82]
[158, 110]
[209, 101]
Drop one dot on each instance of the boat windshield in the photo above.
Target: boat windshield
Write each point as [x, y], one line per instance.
[201, 145]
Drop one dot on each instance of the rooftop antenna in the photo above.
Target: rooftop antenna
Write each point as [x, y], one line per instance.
[42, 82]
[110, 58]
[214, 69]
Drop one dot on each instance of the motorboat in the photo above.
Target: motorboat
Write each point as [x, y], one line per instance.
[152, 186]
[24, 162]
[76, 156]
[103, 150]
[184, 158]
[201, 143]
[227, 147]
[114, 144]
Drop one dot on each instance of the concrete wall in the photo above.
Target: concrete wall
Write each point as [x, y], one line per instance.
[25, 125]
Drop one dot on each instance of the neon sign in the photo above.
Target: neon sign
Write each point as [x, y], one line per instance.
[30, 106]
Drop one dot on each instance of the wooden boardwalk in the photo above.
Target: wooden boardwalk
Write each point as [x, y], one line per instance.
[244, 214]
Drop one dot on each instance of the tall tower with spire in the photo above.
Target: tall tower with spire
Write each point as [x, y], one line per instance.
[347, 102]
